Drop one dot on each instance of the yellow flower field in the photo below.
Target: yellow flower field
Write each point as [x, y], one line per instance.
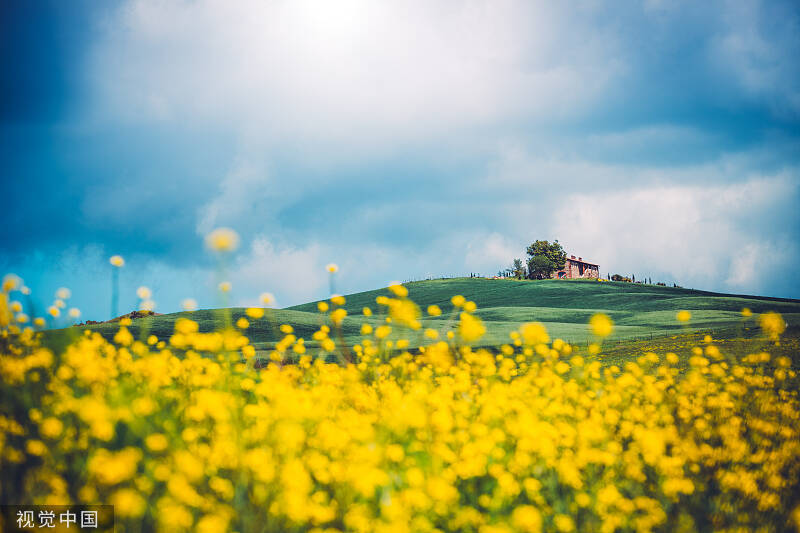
[432, 435]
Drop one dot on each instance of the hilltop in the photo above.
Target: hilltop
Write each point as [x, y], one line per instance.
[639, 311]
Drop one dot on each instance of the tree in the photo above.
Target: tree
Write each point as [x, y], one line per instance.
[518, 269]
[544, 258]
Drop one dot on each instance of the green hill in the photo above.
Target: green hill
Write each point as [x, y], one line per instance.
[639, 311]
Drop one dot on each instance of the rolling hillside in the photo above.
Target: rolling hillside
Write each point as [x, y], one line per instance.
[639, 311]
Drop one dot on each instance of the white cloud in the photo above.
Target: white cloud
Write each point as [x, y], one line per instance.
[486, 254]
[351, 71]
[698, 235]
[293, 274]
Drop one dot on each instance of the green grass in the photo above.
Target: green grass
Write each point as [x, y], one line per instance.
[641, 313]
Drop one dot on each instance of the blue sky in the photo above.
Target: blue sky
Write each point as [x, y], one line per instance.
[399, 140]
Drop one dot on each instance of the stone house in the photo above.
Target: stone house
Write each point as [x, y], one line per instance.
[577, 268]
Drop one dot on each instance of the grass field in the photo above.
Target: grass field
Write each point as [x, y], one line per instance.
[640, 312]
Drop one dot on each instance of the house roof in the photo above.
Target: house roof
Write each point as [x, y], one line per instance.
[575, 260]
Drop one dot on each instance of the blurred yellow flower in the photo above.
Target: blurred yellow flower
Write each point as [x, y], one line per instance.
[63, 293]
[128, 503]
[337, 316]
[534, 333]
[255, 312]
[157, 442]
[51, 427]
[746, 312]
[683, 316]
[398, 290]
[117, 261]
[189, 304]
[470, 327]
[332, 267]
[222, 240]
[772, 324]
[224, 286]
[601, 325]
[144, 293]
[11, 282]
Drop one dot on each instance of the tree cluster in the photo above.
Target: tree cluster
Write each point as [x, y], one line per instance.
[543, 259]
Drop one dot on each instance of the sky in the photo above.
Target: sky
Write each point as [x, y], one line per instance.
[399, 140]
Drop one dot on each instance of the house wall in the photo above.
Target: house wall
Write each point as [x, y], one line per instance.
[572, 270]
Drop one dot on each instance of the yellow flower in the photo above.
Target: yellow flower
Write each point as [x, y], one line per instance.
[527, 518]
[186, 326]
[53, 311]
[255, 312]
[338, 315]
[128, 503]
[225, 286]
[564, 523]
[398, 290]
[332, 267]
[35, 447]
[772, 324]
[534, 333]
[242, 323]
[458, 300]
[74, 312]
[222, 240]
[322, 306]
[267, 298]
[470, 327]
[51, 427]
[156, 442]
[116, 261]
[337, 300]
[63, 293]
[189, 304]
[111, 468]
[683, 316]
[746, 312]
[404, 311]
[601, 325]
[11, 282]
[366, 311]
[383, 331]
[144, 293]
[434, 310]
[395, 453]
